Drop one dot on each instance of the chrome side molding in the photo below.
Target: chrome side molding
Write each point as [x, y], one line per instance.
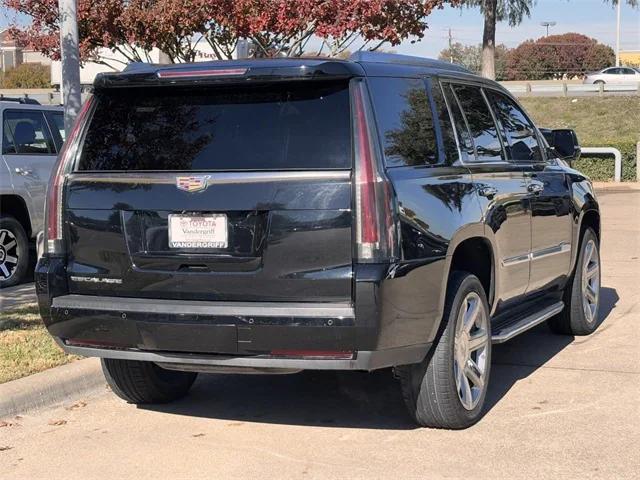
[563, 247]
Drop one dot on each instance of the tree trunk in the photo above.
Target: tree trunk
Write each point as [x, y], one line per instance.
[489, 39]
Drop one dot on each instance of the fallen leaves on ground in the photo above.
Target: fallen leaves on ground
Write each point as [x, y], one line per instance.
[4, 423]
[76, 406]
[56, 423]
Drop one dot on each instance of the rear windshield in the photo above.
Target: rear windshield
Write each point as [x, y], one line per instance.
[261, 127]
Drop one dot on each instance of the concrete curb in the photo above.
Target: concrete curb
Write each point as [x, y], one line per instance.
[51, 387]
[620, 186]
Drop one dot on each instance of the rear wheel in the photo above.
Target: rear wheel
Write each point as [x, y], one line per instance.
[14, 252]
[599, 82]
[145, 382]
[448, 388]
[582, 294]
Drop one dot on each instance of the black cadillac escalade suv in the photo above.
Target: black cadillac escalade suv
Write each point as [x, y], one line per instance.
[287, 214]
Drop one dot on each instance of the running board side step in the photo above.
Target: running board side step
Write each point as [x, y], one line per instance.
[506, 330]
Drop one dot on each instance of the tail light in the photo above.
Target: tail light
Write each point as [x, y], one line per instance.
[376, 236]
[53, 209]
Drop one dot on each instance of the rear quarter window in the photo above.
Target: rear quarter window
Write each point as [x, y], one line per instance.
[284, 126]
[405, 121]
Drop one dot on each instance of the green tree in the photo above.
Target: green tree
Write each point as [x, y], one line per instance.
[27, 75]
[512, 11]
[470, 57]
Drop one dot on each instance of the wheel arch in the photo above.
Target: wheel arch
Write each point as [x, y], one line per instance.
[16, 206]
[589, 218]
[472, 251]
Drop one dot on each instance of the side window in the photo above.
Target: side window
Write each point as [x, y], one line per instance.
[521, 134]
[462, 130]
[404, 121]
[56, 124]
[28, 132]
[481, 124]
[7, 143]
[446, 127]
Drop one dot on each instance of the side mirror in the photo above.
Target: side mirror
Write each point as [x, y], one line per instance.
[563, 142]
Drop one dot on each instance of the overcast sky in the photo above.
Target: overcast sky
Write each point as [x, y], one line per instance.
[594, 18]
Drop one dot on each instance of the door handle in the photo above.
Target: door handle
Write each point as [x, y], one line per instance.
[535, 188]
[488, 192]
[23, 171]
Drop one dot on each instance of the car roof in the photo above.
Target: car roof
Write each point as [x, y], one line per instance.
[363, 63]
[4, 105]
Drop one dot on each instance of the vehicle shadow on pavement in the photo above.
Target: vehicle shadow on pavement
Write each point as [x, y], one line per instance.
[516, 360]
[353, 399]
[310, 398]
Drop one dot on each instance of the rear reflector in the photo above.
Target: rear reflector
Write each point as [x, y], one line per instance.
[81, 342]
[324, 354]
[53, 209]
[210, 72]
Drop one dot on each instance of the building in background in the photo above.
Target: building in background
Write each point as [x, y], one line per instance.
[12, 55]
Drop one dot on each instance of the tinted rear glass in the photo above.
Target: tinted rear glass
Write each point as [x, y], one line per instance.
[405, 121]
[262, 127]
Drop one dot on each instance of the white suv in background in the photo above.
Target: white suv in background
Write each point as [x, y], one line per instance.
[32, 135]
[620, 75]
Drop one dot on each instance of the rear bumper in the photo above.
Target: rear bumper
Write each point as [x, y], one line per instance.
[218, 336]
[364, 360]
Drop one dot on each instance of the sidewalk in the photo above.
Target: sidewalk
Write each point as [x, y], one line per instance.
[18, 296]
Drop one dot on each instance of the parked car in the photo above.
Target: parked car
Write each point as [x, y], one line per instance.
[32, 135]
[618, 75]
[270, 216]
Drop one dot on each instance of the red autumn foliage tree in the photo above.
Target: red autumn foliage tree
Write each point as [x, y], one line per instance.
[556, 56]
[177, 27]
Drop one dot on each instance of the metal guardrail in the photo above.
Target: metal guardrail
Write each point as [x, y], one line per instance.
[597, 151]
[566, 89]
[617, 169]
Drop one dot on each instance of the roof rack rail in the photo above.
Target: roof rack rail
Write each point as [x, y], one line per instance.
[24, 100]
[380, 57]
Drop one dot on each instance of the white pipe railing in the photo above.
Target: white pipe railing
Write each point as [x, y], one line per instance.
[617, 175]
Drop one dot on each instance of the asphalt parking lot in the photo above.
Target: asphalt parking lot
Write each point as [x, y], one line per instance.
[559, 407]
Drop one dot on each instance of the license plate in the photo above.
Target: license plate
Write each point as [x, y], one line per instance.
[198, 231]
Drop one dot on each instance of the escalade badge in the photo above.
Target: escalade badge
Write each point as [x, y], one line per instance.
[193, 184]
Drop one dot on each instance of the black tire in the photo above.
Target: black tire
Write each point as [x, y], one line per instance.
[573, 320]
[12, 234]
[599, 82]
[145, 382]
[429, 388]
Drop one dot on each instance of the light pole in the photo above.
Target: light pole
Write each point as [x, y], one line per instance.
[70, 57]
[618, 33]
[547, 25]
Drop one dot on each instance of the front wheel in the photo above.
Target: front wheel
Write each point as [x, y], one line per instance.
[145, 382]
[448, 388]
[582, 294]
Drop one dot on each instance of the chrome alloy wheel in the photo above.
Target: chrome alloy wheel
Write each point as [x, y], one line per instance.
[8, 254]
[471, 344]
[590, 281]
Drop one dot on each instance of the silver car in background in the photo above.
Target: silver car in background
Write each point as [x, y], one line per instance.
[32, 135]
[615, 75]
